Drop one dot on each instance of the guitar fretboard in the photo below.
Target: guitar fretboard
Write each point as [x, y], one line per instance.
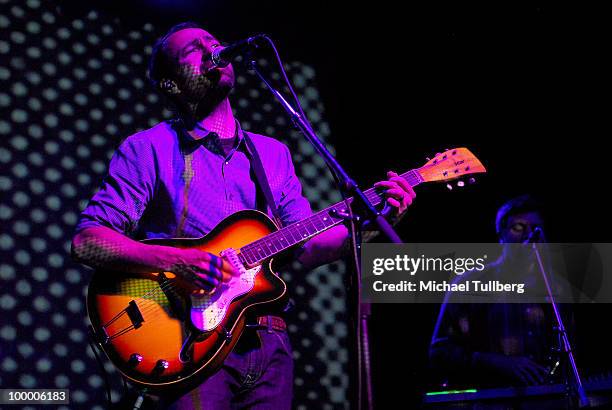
[276, 242]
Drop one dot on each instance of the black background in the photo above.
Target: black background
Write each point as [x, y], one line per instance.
[525, 87]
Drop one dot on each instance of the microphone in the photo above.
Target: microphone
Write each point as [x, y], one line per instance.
[222, 56]
[536, 234]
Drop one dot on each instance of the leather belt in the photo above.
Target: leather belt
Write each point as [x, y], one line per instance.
[270, 323]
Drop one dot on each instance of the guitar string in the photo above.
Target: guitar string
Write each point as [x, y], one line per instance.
[143, 306]
[263, 243]
[148, 305]
[372, 195]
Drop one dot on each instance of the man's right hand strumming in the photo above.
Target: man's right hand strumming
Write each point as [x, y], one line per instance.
[203, 269]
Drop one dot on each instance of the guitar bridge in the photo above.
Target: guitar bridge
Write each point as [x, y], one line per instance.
[134, 317]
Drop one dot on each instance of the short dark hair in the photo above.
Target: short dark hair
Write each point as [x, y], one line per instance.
[515, 206]
[161, 65]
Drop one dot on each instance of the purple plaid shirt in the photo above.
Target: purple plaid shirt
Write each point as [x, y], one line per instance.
[162, 183]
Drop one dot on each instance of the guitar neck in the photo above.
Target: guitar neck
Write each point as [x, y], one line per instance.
[270, 245]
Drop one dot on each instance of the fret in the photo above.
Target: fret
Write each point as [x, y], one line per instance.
[251, 258]
[245, 256]
[269, 247]
[312, 222]
[275, 242]
[331, 219]
[295, 233]
[286, 237]
[413, 177]
[374, 196]
[259, 252]
[282, 244]
[303, 228]
[317, 222]
[289, 235]
[283, 238]
[265, 247]
[272, 244]
[341, 208]
[308, 227]
[242, 258]
[326, 219]
[303, 231]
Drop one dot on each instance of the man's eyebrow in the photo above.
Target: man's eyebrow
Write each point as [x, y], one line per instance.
[194, 41]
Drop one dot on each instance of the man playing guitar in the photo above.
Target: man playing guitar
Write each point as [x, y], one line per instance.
[179, 179]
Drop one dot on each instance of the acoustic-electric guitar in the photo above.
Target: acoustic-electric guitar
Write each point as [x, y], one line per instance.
[162, 332]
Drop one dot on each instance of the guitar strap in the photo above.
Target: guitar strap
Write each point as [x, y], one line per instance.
[262, 180]
[264, 187]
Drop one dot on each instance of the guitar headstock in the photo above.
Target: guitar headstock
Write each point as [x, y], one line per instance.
[451, 164]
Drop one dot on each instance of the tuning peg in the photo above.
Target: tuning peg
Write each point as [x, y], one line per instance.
[472, 180]
[460, 184]
[449, 186]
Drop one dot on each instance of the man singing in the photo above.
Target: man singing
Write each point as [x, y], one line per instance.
[501, 344]
[180, 179]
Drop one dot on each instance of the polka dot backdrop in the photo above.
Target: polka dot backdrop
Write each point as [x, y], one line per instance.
[70, 91]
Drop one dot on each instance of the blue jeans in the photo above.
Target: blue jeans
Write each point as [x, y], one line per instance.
[257, 374]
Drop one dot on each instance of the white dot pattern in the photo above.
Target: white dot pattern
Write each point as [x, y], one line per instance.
[70, 91]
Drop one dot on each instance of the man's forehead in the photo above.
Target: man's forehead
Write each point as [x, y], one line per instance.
[526, 216]
[181, 38]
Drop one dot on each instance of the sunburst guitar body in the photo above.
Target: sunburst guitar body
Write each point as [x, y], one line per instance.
[159, 330]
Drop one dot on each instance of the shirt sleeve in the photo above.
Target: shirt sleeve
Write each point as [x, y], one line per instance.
[125, 191]
[293, 206]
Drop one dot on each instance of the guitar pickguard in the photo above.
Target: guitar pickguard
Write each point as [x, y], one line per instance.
[207, 311]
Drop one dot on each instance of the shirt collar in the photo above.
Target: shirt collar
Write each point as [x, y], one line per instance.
[201, 134]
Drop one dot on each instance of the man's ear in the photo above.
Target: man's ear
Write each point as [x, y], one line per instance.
[169, 86]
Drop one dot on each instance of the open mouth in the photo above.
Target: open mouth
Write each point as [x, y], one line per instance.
[213, 75]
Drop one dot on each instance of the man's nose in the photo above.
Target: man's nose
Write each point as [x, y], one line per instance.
[205, 45]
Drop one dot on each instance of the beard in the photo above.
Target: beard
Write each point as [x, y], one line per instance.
[202, 92]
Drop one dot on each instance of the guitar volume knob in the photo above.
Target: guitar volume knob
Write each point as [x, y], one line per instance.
[135, 359]
[160, 366]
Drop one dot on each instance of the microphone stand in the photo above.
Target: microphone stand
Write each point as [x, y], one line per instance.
[566, 347]
[349, 188]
